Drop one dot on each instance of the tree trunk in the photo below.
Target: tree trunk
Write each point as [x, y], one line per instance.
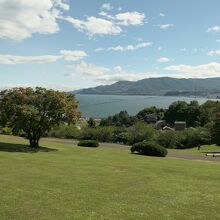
[34, 143]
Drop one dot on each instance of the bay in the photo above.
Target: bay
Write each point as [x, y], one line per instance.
[105, 105]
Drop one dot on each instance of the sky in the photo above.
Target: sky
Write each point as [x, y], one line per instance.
[73, 44]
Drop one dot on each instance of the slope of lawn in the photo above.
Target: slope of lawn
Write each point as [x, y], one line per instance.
[81, 183]
[204, 149]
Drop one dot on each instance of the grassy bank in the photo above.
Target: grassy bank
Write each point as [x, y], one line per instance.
[70, 182]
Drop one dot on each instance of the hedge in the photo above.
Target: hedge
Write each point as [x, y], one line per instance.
[88, 143]
[149, 148]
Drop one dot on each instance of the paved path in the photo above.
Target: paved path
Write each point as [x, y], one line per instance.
[171, 153]
[192, 156]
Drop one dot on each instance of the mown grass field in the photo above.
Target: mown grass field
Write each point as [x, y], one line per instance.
[204, 149]
[104, 183]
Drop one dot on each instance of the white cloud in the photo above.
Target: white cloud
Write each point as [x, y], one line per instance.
[199, 71]
[62, 4]
[103, 13]
[87, 69]
[163, 60]
[160, 48]
[183, 49]
[99, 49]
[73, 55]
[214, 53]
[130, 47]
[117, 73]
[162, 15]
[130, 18]
[107, 6]
[218, 41]
[111, 78]
[19, 19]
[11, 59]
[165, 26]
[140, 39]
[119, 8]
[68, 55]
[213, 29]
[109, 25]
[106, 75]
[93, 26]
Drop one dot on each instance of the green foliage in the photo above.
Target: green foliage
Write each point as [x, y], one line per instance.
[139, 132]
[182, 111]
[193, 113]
[193, 137]
[149, 148]
[215, 130]
[145, 113]
[36, 111]
[6, 131]
[88, 143]
[208, 112]
[121, 119]
[65, 131]
[91, 123]
[189, 138]
[167, 139]
[100, 133]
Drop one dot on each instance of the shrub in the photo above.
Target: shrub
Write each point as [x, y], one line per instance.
[88, 143]
[133, 149]
[167, 139]
[149, 148]
[140, 132]
[65, 131]
[6, 131]
[101, 133]
[215, 130]
[105, 133]
[193, 137]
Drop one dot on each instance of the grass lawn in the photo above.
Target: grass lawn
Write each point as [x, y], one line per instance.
[203, 150]
[104, 183]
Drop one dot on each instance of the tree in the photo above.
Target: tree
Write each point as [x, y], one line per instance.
[147, 113]
[122, 119]
[182, 111]
[208, 111]
[36, 111]
[91, 123]
[215, 131]
[193, 114]
[176, 111]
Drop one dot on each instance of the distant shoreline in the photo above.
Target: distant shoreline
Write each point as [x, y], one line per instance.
[182, 96]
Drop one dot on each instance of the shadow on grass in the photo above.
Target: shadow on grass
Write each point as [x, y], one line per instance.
[209, 152]
[7, 147]
[145, 155]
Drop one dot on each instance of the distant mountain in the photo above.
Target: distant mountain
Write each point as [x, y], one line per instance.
[159, 86]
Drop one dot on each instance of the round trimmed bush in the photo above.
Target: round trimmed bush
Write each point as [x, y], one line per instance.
[149, 148]
[88, 143]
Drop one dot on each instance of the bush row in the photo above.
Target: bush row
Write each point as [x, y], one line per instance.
[134, 134]
[189, 138]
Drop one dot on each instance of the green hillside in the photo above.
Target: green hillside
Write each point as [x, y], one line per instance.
[159, 86]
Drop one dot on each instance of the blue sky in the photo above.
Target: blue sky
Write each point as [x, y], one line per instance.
[75, 44]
